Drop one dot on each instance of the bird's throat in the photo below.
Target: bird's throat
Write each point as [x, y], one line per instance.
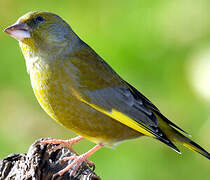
[30, 52]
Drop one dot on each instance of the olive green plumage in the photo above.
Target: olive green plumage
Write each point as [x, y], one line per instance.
[78, 89]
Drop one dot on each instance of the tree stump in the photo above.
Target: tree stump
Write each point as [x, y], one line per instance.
[41, 163]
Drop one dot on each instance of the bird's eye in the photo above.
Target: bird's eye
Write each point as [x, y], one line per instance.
[39, 19]
[36, 21]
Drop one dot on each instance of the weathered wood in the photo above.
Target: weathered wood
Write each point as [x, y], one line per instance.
[41, 163]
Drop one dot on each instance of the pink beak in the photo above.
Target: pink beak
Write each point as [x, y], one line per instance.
[18, 31]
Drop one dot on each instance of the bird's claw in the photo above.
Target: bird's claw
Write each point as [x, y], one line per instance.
[73, 157]
[61, 143]
[77, 161]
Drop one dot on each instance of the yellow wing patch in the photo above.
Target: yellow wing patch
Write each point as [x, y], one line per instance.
[122, 118]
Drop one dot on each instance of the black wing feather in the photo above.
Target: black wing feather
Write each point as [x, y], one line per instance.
[149, 104]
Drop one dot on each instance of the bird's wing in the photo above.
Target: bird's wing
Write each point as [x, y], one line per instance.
[102, 89]
[121, 105]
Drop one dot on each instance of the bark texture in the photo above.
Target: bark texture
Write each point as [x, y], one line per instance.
[41, 163]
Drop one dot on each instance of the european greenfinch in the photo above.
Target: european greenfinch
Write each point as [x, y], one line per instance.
[79, 90]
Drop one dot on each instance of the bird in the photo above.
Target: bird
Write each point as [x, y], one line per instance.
[80, 91]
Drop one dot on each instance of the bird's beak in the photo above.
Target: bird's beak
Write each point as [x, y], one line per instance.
[19, 31]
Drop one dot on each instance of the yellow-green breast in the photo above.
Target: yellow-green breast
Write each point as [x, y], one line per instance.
[53, 84]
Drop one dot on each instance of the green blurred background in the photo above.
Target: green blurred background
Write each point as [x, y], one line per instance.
[161, 47]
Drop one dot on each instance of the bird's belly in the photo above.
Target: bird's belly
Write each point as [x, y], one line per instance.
[56, 98]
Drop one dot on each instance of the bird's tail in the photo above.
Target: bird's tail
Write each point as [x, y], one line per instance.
[190, 145]
[177, 137]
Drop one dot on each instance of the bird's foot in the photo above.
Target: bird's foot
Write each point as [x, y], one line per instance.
[77, 161]
[62, 143]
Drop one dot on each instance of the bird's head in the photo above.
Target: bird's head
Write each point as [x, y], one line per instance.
[42, 30]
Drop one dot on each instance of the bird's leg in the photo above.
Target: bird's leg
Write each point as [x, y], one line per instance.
[78, 160]
[63, 143]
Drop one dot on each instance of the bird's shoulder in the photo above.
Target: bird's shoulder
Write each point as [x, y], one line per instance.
[92, 71]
